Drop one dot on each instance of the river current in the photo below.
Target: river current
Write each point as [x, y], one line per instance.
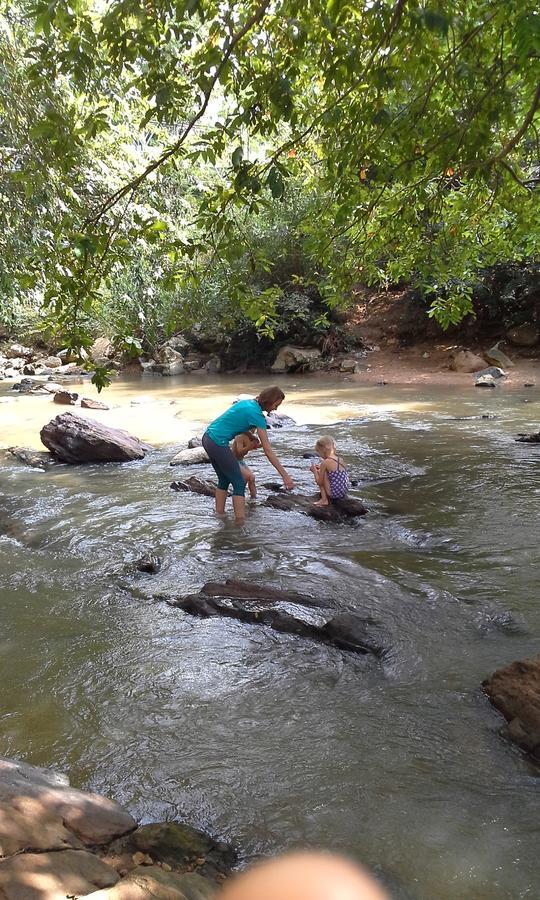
[267, 740]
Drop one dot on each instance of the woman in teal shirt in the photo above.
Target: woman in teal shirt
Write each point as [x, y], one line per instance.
[240, 417]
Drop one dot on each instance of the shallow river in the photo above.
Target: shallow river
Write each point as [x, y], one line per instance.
[264, 739]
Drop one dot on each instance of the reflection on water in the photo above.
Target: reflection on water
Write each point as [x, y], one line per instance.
[261, 738]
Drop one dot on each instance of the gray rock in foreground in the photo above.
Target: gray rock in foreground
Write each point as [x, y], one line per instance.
[74, 439]
[58, 842]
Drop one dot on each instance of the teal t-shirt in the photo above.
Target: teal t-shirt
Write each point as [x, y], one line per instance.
[241, 416]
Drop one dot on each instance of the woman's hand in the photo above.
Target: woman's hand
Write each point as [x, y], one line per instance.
[288, 482]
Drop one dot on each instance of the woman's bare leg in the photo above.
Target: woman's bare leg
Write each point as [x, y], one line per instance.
[221, 497]
[239, 507]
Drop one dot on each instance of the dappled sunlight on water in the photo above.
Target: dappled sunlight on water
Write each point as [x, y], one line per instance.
[262, 738]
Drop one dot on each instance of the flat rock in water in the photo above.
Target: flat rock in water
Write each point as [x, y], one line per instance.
[345, 630]
[67, 398]
[89, 403]
[74, 439]
[195, 486]
[236, 589]
[336, 511]
[515, 692]
[36, 459]
[191, 456]
[529, 438]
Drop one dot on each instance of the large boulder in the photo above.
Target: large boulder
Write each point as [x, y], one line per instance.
[101, 351]
[466, 361]
[526, 335]
[16, 350]
[72, 816]
[294, 359]
[497, 358]
[74, 439]
[515, 692]
[172, 361]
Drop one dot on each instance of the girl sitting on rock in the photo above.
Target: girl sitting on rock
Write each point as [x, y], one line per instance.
[331, 474]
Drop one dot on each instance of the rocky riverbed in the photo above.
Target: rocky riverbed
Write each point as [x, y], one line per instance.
[58, 842]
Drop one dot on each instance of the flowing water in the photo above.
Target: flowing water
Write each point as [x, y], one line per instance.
[264, 739]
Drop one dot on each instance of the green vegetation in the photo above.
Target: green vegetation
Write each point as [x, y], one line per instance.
[164, 162]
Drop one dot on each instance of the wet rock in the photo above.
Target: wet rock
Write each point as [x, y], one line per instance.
[74, 439]
[195, 485]
[515, 692]
[485, 381]
[89, 403]
[466, 361]
[497, 358]
[66, 398]
[236, 589]
[525, 335]
[55, 876]
[213, 365]
[26, 385]
[337, 511]
[279, 420]
[347, 631]
[529, 438]
[182, 846]
[190, 457]
[36, 459]
[194, 442]
[178, 343]
[529, 384]
[150, 563]
[155, 883]
[494, 371]
[295, 359]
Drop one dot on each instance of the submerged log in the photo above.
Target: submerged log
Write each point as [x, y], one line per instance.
[515, 692]
[337, 511]
[261, 606]
[74, 439]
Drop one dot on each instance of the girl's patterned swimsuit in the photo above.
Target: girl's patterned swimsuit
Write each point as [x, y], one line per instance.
[339, 482]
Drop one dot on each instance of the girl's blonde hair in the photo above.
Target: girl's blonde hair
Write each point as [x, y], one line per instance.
[326, 444]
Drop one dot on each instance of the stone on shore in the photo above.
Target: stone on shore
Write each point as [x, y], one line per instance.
[296, 359]
[515, 692]
[466, 361]
[53, 876]
[155, 883]
[74, 439]
[38, 793]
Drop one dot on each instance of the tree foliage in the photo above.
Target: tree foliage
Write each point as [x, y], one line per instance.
[413, 124]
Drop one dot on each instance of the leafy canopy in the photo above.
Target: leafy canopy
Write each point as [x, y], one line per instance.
[414, 125]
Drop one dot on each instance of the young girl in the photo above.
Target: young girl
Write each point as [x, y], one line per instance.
[331, 475]
[243, 444]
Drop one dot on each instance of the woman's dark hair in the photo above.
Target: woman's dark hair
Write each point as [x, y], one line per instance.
[267, 398]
